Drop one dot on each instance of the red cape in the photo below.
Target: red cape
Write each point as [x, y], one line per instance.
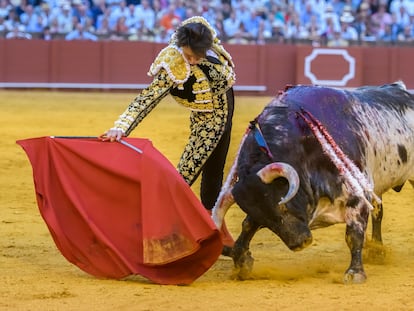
[113, 211]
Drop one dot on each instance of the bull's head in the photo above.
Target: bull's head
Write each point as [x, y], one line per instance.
[265, 197]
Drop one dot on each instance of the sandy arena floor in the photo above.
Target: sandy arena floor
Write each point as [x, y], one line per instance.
[35, 276]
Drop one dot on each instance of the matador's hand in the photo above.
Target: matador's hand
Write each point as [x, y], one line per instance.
[112, 134]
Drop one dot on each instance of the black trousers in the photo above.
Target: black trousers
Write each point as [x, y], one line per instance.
[212, 171]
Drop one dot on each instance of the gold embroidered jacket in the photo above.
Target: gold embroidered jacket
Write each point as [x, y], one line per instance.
[193, 86]
[202, 88]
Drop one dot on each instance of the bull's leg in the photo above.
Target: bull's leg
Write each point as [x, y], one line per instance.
[376, 216]
[374, 250]
[243, 261]
[357, 219]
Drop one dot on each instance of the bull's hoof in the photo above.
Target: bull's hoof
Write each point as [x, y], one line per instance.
[353, 277]
[244, 266]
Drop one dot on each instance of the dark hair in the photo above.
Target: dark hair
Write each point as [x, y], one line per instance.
[196, 36]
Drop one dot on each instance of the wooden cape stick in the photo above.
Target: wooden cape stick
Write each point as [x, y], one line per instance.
[123, 142]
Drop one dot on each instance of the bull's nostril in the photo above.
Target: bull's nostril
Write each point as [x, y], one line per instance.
[308, 241]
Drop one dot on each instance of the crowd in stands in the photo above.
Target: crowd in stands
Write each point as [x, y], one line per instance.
[319, 22]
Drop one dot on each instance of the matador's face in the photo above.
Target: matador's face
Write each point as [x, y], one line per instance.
[190, 56]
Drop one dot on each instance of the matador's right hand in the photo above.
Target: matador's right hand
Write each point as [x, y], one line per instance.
[113, 134]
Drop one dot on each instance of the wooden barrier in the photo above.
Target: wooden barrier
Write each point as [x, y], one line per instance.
[260, 69]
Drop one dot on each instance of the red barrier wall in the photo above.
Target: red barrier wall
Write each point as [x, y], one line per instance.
[260, 69]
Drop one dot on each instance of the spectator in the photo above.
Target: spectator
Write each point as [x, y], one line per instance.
[315, 31]
[336, 40]
[295, 30]
[380, 19]
[235, 4]
[89, 25]
[254, 5]
[210, 14]
[159, 10]
[180, 8]
[108, 20]
[243, 13]
[5, 8]
[395, 5]
[402, 18]
[120, 10]
[103, 28]
[81, 12]
[225, 9]
[131, 16]
[46, 34]
[307, 13]
[278, 14]
[141, 33]
[386, 34]
[146, 14]
[338, 6]
[219, 27]
[97, 9]
[329, 27]
[252, 23]
[161, 35]
[330, 20]
[170, 19]
[80, 34]
[348, 32]
[231, 25]
[65, 19]
[113, 4]
[53, 28]
[192, 10]
[397, 27]
[3, 27]
[241, 36]
[407, 35]
[29, 18]
[45, 13]
[18, 32]
[163, 4]
[121, 28]
[363, 23]
[12, 21]
[278, 32]
[267, 24]
[321, 5]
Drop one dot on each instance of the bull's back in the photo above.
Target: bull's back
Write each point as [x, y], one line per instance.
[374, 126]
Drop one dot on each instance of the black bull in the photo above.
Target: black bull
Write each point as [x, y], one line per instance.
[336, 151]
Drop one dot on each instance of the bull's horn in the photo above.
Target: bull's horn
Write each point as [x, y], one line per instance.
[280, 169]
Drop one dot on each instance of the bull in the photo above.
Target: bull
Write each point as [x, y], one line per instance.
[317, 156]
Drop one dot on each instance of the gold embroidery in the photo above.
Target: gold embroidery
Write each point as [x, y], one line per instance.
[171, 59]
[167, 249]
[206, 131]
[144, 102]
[199, 106]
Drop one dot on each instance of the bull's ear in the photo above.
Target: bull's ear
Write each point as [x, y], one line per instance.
[280, 169]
